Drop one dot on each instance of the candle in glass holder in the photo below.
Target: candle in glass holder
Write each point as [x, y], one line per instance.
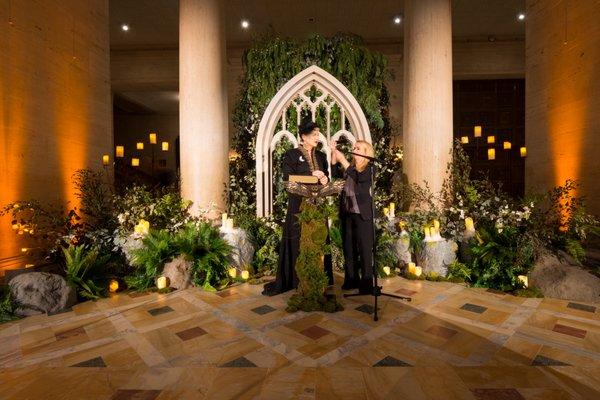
[162, 282]
[523, 151]
[232, 272]
[120, 151]
[113, 286]
[245, 275]
[105, 159]
[411, 267]
[491, 139]
[469, 225]
[477, 131]
[135, 162]
[387, 270]
[464, 139]
[418, 271]
[139, 145]
[165, 146]
[523, 279]
[491, 154]
[152, 138]
[507, 145]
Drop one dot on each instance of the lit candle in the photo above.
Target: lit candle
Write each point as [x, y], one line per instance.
[165, 146]
[120, 151]
[230, 223]
[245, 275]
[139, 145]
[135, 162]
[152, 138]
[507, 145]
[436, 224]
[418, 271]
[523, 279]
[105, 159]
[411, 267]
[464, 139]
[523, 151]
[477, 131]
[491, 139]
[386, 211]
[24, 249]
[386, 270]
[162, 282]
[232, 272]
[113, 286]
[427, 232]
[491, 154]
[392, 207]
[223, 219]
[469, 225]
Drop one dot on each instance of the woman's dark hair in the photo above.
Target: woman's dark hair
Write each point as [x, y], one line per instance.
[306, 126]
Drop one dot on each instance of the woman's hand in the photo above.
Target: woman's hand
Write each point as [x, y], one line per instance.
[321, 176]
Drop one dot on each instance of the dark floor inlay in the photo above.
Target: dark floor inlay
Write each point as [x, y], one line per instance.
[569, 330]
[582, 307]
[191, 333]
[80, 331]
[160, 310]
[366, 308]
[241, 362]
[545, 361]
[390, 361]
[315, 332]
[64, 310]
[497, 394]
[441, 331]
[134, 394]
[473, 308]
[262, 310]
[94, 362]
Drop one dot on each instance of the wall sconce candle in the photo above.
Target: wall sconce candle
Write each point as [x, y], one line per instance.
[491, 154]
[477, 131]
[507, 145]
[491, 139]
[135, 162]
[523, 151]
[105, 159]
[120, 151]
[165, 146]
[152, 137]
[139, 146]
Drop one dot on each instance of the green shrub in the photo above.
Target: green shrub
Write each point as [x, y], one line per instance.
[7, 311]
[158, 248]
[83, 269]
[458, 271]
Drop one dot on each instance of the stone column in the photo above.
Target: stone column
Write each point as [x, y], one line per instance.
[427, 128]
[203, 119]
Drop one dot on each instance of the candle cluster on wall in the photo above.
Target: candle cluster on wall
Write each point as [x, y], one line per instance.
[135, 161]
[491, 139]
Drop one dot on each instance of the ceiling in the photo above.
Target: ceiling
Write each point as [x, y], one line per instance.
[154, 23]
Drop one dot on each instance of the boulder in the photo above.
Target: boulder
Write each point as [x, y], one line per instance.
[243, 251]
[179, 273]
[41, 292]
[562, 280]
[437, 255]
[401, 247]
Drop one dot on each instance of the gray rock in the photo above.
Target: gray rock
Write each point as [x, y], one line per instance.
[243, 251]
[41, 292]
[179, 273]
[561, 280]
[436, 256]
[401, 247]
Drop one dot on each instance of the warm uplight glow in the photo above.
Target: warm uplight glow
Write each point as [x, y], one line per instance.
[139, 145]
[477, 131]
[491, 154]
[523, 151]
[165, 146]
[120, 151]
[105, 159]
[152, 138]
[135, 162]
[464, 139]
[491, 139]
[507, 145]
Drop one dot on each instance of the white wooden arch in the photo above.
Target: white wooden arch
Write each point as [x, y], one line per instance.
[293, 95]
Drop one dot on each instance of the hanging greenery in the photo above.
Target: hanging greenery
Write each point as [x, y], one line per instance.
[269, 64]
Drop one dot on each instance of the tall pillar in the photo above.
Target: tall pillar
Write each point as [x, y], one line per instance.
[427, 130]
[203, 121]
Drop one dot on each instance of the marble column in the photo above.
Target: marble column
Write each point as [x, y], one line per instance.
[427, 127]
[203, 119]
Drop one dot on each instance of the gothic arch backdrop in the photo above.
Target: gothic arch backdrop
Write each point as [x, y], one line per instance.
[295, 96]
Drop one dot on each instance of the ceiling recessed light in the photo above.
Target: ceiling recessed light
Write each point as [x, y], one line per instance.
[245, 24]
[125, 27]
[521, 16]
[397, 20]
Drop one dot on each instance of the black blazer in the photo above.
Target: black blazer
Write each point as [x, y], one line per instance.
[363, 190]
[294, 163]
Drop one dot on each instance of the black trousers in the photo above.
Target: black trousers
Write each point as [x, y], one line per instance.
[357, 236]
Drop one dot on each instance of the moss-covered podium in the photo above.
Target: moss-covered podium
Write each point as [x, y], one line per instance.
[312, 280]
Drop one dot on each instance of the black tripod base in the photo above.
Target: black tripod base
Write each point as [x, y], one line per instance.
[376, 293]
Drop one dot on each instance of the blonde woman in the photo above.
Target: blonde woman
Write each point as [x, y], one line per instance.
[356, 216]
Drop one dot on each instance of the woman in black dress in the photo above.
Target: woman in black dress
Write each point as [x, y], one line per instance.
[303, 160]
[356, 217]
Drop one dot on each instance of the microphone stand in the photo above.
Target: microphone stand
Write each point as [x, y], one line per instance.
[376, 288]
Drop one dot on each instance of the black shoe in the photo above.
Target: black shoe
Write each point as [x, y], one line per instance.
[349, 286]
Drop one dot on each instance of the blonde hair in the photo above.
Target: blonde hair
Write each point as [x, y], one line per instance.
[362, 162]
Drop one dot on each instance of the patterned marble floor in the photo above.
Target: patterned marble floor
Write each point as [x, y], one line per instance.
[449, 342]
